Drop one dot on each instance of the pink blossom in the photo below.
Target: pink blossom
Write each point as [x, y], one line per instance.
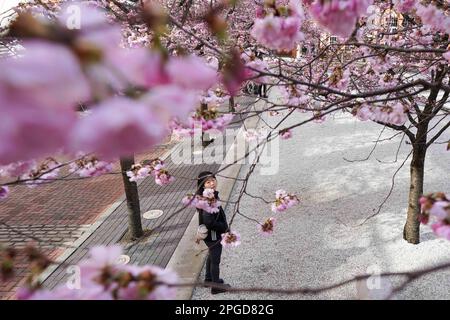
[404, 5]
[266, 228]
[398, 115]
[89, 166]
[170, 101]
[23, 86]
[296, 8]
[278, 33]
[45, 171]
[394, 115]
[344, 81]
[447, 56]
[118, 127]
[212, 206]
[95, 169]
[138, 172]
[188, 200]
[220, 123]
[364, 113]
[234, 73]
[338, 16]
[94, 24]
[441, 229]
[143, 67]
[318, 117]
[99, 258]
[440, 209]
[17, 169]
[208, 204]
[209, 193]
[434, 17]
[191, 73]
[254, 68]
[283, 201]
[254, 135]
[39, 116]
[211, 99]
[163, 178]
[4, 191]
[160, 292]
[103, 279]
[197, 124]
[230, 239]
[259, 12]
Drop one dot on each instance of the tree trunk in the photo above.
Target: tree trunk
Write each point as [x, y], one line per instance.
[132, 195]
[411, 231]
[232, 107]
[206, 139]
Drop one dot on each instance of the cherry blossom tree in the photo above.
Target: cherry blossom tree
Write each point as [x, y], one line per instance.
[178, 53]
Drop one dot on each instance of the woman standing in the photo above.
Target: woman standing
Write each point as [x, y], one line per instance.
[216, 223]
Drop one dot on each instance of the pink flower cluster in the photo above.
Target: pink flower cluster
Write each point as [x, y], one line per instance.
[191, 72]
[284, 201]
[40, 91]
[89, 166]
[199, 122]
[286, 134]
[338, 16]
[44, 172]
[294, 96]
[230, 239]
[15, 170]
[278, 33]
[37, 94]
[404, 5]
[447, 56]
[266, 228]
[207, 201]
[434, 17]
[102, 278]
[394, 115]
[4, 191]
[436, 205]
[211, 98]
[339, 79]
[255, 134]
[155, 168]
[254, 67]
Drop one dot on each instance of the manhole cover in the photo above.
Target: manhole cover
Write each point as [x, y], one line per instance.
[123, 259]
[152, 214]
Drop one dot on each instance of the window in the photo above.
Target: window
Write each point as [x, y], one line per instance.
[333, 40]
[392, 21]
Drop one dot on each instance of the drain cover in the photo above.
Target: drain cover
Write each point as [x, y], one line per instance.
[152, 214]
[123, 259]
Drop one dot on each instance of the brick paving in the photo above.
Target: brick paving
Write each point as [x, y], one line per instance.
[57, 213]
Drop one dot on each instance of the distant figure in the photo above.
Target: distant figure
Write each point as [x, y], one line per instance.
[262, 88]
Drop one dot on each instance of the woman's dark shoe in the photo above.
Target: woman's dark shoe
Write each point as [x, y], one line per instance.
[210, 280]
[220, 290]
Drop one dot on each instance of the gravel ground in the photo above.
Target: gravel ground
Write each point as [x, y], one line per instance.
[318, 242]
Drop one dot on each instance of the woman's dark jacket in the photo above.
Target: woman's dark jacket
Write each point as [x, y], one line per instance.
[215, 222]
